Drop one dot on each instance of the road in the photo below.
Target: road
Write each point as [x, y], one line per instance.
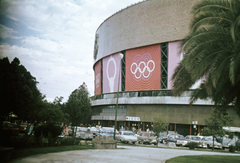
[124, 154]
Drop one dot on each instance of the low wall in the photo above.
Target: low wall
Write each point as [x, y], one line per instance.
[104, 142]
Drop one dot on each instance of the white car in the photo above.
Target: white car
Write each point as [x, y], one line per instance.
[196, 139]
[126, 137]
[84, 133]
[208, 142]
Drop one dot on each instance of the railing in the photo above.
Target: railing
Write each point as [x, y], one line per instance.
[152, 93]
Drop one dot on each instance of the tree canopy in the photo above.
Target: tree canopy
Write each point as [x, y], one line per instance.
[159, 124]
[211, 53]
[214, 125]
[78, 105]
[18, 91]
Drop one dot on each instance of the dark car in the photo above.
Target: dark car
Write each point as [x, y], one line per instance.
[10, 128]
[162, 139]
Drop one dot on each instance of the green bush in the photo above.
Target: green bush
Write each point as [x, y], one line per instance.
[192, 145]
[23, 142]
[68, 141]
[48, 130]
[232, 148]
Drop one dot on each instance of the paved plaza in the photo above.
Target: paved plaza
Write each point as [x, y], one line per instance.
[124, 154]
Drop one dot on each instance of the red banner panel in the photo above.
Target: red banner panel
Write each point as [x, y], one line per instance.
[143, 68]
[97, 78]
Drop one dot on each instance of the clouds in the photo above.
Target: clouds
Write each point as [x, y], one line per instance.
[54, 39]
[6, 32]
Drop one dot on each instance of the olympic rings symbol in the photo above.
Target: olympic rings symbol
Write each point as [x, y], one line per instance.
[142, 71]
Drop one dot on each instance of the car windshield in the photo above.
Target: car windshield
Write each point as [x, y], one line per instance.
[107, 131]
[209, 139]
[179, 137]
[196, 138]
[127, 133]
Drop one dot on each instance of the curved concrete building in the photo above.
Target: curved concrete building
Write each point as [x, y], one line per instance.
[147, 36]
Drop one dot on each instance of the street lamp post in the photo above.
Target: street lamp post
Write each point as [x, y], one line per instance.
[114, 133]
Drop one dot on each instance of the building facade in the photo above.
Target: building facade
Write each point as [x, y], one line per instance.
[147, 36]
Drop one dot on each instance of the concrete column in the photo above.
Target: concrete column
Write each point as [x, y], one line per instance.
[138, 125]
[143, 126]
[175, 128]
[190, 130]
[167, 129]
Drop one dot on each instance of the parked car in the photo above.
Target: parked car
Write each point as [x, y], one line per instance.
[150, 140]
[178, 139]
[162, 139]
[208, 142]
[126, 136]
[196, 139]
[107, 131]
[84, 133]
[10, 128]
[23, 127]
[94, 131]
[226, 142]
[145, 138]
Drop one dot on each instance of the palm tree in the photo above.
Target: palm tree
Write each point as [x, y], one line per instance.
[211, 52]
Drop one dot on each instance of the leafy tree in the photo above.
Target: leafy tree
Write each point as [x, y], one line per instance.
[78, 105]
[211, 52]
[219, 119]
[18, 91]
[159, 124]
[50, 113]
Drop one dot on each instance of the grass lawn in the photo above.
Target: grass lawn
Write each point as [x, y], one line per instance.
[205, 159]
[17, 153]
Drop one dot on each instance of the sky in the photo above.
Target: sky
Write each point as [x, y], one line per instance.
[54, 40]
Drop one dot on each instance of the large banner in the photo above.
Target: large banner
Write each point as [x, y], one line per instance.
[143, 68]
[173, 60]
[97, 78]
[111, 70]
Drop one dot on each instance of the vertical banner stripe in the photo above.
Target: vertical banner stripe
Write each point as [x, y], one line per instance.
[173, 60]
[97, 78]
[111, 70]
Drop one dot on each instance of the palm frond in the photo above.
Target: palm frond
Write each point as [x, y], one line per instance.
[181, 80]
